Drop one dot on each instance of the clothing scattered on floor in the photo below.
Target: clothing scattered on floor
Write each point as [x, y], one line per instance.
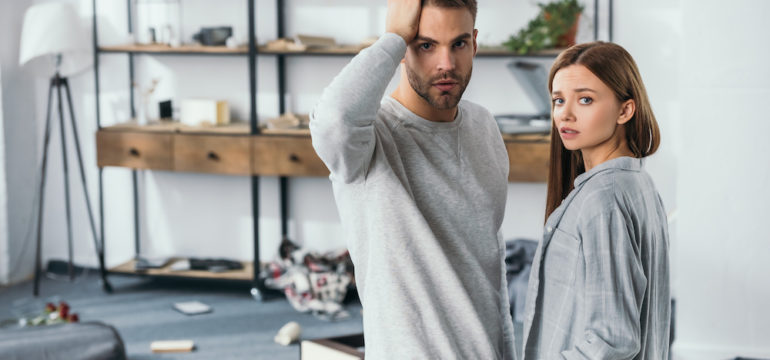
[312, 282]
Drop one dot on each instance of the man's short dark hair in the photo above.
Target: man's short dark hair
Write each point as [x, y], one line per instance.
[468, 4]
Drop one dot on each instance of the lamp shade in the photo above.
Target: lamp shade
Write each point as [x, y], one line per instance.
[54, 29]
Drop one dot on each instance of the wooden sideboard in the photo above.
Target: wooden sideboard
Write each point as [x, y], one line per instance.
[232, 150]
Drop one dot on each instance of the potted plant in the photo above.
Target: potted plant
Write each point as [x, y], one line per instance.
[554, 26]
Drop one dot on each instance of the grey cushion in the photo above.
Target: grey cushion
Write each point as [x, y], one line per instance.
[76, 341]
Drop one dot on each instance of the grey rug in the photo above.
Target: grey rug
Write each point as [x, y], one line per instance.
[141, 310]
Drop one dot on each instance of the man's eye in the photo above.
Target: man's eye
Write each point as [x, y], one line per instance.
[586, 100]
[426, 46]
[460, 44]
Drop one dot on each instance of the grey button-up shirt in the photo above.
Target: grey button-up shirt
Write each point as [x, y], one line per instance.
[599, 287]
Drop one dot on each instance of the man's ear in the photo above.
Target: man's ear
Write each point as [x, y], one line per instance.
[475, 44]
[627, 110]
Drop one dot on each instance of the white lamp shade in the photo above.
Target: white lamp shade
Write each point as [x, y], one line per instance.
[51, 29]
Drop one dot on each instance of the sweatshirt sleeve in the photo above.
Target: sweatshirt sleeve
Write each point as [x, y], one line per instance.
[342, 123]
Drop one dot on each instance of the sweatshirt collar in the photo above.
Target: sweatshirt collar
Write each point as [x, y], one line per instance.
[407, 116]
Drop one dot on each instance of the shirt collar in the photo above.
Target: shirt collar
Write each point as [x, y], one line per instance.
[621, 163]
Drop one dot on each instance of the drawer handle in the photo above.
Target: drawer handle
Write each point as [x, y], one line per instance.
[293, 158]
[213, 156]
[133, 152]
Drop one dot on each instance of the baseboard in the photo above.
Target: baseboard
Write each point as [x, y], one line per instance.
[695, 351]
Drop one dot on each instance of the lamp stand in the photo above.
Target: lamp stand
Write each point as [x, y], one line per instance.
[58, 82]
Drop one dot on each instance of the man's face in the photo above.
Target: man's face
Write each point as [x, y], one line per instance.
[439, 61]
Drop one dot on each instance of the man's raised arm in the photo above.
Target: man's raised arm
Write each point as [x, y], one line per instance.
[342, 123]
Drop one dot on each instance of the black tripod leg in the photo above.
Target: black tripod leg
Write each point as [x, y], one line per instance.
[65, 165]
[41, 192]
[76, 138]
[284, 189]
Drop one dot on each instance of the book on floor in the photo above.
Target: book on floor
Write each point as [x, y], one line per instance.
[192, 307]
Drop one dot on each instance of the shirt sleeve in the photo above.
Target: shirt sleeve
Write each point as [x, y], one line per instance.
[342, 122]
[614, 289]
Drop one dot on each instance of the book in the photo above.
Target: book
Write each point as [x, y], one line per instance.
[165, 346]
[192, 307]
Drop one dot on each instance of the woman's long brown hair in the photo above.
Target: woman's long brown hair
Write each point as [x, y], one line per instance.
[614, 66]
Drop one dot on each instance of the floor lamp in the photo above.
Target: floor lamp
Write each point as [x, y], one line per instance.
[54, 41]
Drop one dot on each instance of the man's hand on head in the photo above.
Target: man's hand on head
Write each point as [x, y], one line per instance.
[403, 18]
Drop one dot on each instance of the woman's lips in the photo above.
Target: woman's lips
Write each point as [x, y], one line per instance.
[568, 134]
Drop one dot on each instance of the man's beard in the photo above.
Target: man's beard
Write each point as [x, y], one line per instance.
[445, 99]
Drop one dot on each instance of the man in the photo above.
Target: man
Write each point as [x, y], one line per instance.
[420, 181]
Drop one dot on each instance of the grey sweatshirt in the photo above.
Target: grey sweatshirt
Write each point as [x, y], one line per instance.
[421, 205]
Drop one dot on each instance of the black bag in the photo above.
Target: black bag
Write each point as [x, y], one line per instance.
[74, 341]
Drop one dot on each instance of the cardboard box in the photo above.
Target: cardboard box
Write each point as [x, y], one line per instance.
[204, 112]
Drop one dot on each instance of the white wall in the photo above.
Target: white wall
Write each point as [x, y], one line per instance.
[19, 149]
[705, 67]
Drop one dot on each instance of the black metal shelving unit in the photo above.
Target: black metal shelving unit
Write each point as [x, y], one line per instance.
[252, 52]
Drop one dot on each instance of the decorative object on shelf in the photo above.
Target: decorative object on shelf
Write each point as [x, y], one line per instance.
[165, 110]
[289, 121]
[365, 43]
[204, 112]
[284, 44]
[159, 22]
[214, 36]
[554, 26]
[144, 95]
[52, 31]
[315, 42]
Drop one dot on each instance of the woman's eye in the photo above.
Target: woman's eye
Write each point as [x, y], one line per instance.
[586, 100]
[558, 101]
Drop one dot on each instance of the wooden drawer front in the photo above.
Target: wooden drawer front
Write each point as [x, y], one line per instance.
[219, 154]
[287, 156]
[528, 161]
[133, 149]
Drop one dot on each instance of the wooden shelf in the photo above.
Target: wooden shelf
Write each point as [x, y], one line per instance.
[184, 49]
[499, 51]
[238, 128]
[245, 274]
[527, 137]
[342, 50]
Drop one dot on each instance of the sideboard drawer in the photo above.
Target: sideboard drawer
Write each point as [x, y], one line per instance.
[136, 150]
[219, 154]
[528, 161]
[286, 156]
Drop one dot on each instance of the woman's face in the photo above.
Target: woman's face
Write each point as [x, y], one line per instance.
[586, 112]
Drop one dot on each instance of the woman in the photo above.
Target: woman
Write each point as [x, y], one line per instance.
[599, 287]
